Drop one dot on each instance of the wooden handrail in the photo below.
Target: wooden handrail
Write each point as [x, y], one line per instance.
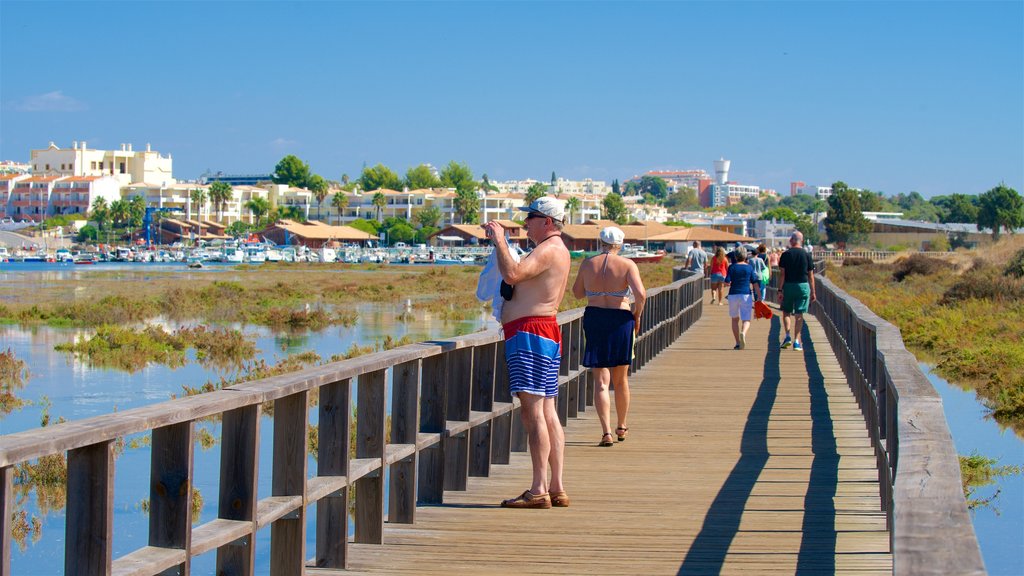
[451, 418]
[929, 525]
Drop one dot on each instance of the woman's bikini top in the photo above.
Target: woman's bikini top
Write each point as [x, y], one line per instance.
[616, 293]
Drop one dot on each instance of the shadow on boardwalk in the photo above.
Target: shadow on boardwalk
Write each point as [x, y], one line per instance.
[817, 552]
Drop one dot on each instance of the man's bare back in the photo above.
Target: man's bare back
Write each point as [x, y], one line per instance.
[540, 294]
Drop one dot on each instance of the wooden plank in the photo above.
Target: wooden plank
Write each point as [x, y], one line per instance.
[220, 532]
[6, 510]
[288, 485]
[239, 475]
[90, 513]
[330, 488]
[370, 444]
[150, 560]
[170, 492]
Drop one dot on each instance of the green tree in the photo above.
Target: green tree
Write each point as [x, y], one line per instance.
[137, 211]
[654, 186]
[630, 189]
[802, 222]
[845, 222]
[683, 199]
[801, 204]
[100, 214]
[870, 201]
[344, 179]
[378, 177]
[400, 231]
[120, 212]
[458, 175]
[379, 202]
[467, 206]
[572, 206]
[536, 190]
[1000, 208]
[340, 202]
[238, 229]
[291, 171]
[423, 234]
[318, 186]
[419, 177]
[615, 187]
[198, 197]
[291, 213]
[485, 183]
[368, 226]
[258, 206]
[88, 233]
[958, 208]
[428, 217]
[615, 208]
[220, 193]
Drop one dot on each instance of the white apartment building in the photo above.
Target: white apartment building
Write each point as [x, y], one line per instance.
[37, 197]
[730, 193]
[126, 165]
[562, 186]
[678, 179]
[819, 192]
[7, 182]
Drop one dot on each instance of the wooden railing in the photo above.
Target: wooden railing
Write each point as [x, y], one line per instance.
[451, 418]
[930, 528]
[873, 255]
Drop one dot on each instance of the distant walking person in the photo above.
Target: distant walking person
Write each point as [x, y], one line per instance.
[697, 260]
[796, 280]
[610, 326]
[719, 266]
[533, 343]
[744, 288]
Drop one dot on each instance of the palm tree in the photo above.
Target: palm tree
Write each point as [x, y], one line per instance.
[572, 205]
[220, 192]
[198, 195]
[340, 202]
[120, 212]
[101, 214]
[318, 186]
[379, 202]
[257, 206]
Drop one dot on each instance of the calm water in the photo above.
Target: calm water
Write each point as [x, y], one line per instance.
[1000, 530]
[77, 390]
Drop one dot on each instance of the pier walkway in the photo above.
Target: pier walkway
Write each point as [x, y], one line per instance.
[744, 462]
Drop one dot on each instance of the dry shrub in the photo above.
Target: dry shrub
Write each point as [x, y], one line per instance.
[919, 264]
[857, 261]
[984, 281]
[1015, 267]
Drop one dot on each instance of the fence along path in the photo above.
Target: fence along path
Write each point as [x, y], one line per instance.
[739, 462]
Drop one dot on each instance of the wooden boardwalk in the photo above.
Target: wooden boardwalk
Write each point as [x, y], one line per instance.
[737, 462]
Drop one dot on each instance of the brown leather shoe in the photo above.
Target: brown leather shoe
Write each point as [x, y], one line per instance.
[560, 500]
[528, 500]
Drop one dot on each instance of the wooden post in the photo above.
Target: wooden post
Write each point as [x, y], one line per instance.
[501, 429]
[332, 460]
[90, 511]
[482, 401]
[405, 401]
[433, 402]
[6, 509]
[288, 534]
[170, 490]
[239, 472]
[370, 443]
[456, 447]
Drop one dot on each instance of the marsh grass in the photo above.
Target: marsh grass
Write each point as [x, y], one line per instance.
[967, 318]
[976, 472]
[131, 350]
[13, 376]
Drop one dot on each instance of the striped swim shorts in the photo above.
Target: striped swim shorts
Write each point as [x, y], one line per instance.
[533, 353]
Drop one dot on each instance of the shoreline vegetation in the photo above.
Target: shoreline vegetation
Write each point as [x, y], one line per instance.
[964, 315]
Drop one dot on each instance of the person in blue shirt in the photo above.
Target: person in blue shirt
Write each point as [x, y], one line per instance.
[744, 288]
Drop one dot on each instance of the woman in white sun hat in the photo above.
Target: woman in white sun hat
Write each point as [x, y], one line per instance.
[610, 325]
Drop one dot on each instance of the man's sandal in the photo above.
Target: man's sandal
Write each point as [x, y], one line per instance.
[621, 432]
[608, 442]
[560, 499]
[528, 500]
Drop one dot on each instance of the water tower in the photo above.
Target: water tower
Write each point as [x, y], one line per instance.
[721, 171]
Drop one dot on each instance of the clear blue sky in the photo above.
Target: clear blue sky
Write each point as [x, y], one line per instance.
[891, 96]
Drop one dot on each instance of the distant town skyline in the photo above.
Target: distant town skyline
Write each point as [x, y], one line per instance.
[890, 96]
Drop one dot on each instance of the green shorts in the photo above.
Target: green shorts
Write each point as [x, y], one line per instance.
[795, 298]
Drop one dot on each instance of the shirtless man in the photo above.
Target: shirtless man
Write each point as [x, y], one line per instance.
[533, 344]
